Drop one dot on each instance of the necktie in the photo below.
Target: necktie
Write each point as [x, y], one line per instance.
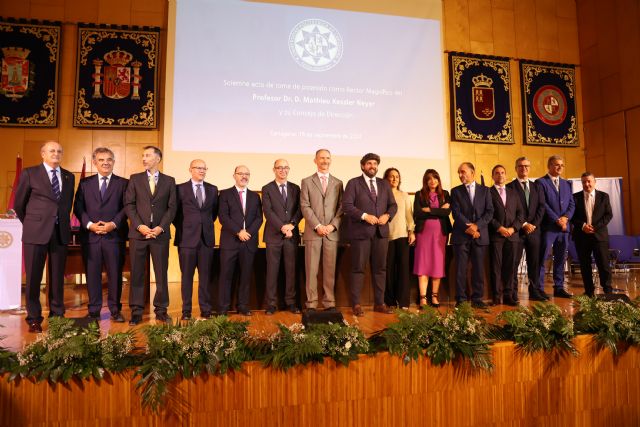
[324, 184]
[526, 192]
[199, 195]
[283, 191]
[470, 192]
[55, 184]
[503, 195]
[372, 189]
[589, 208]
[556, 183]
[152, 184]
[103, 188]
[241, 200]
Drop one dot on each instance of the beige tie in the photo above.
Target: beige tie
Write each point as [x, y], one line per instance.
[152, 184]
[589, 208]
[324, 184]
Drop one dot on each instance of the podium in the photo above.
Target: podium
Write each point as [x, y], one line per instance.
[10, 263]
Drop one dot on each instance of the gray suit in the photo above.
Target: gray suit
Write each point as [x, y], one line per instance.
[321, 209]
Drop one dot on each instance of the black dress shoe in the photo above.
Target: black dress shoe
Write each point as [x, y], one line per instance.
[117, 317]
[310, 309]
[206, 315]
[163, 317]
[496, 301]
[293, 309]
[245, 312]
[270, 310]
[534, 295]
[358, 311]
[35, 327]
[185, 316]
[136, 319]
[544, 295]
[94, 315]
[222, 313]
[561, 293]
[510, 302]
[478, 304]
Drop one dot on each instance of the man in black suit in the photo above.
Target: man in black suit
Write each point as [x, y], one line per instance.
[281, 206]
[150, 203]
[195, 237]
[472, 211]
[590, 220]
[532, 200]
[43, 204]
[241, 216]
[508, 216]
[99, 206]
[368, 205]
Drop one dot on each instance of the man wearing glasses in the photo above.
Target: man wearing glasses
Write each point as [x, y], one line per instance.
[532, 199]
[281, 206]
[195, 237]
[240, 214]
[559, 208]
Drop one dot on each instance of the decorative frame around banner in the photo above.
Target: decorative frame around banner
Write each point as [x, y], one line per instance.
[30, 52]
[549, 104]
[117, 77]
[480, 88]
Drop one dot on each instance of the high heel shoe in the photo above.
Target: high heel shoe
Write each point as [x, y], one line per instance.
[436, 303]
[423, 301]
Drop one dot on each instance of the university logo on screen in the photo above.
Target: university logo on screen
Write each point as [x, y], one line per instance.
[315, 45]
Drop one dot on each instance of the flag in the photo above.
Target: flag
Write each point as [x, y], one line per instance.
[16, 180]
[75, 222]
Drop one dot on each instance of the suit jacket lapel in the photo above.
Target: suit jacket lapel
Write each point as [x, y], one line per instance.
[316, 180]
[365, 185]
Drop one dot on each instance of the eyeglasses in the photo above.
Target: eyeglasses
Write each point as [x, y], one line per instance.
[282, 168]
[199, 168]
[243, 174]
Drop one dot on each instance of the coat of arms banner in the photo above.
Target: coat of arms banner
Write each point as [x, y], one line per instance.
[117, 76]
[480, 88]
[29, 53]
[549, 104]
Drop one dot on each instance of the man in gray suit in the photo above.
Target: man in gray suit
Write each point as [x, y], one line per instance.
[321, 205]
[150, 203]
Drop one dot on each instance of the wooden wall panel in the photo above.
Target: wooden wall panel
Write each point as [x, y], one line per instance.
[590, 390]
[632, 209]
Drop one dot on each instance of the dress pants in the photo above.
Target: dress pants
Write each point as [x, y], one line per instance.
[111, 255]
[35, 257]
[397, 291]
[139, 251]
[502, 255]
[276, 251]
[463, 252]
[558, 242]
[373, 250]
[531, 244]
[228, 260]
[600, 250]
[317, 250]
[201, 258]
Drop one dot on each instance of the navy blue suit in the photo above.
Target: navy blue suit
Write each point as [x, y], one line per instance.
[232, 249]
[557, 204]
[108, 248]
[480, 212]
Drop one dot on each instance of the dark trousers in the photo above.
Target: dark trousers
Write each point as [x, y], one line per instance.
[558, 242]
[396, 291]
[274, 253]
[111, 255]
[531, 244]
[502, 254]
[462, 253]
[139, 251]
[201, 258]
[373, 250]
[228, 260]
[35, 257]
[600, 250]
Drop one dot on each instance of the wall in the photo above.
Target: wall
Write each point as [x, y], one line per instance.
[611, 91]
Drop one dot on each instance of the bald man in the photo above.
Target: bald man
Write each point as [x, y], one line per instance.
[43, 204]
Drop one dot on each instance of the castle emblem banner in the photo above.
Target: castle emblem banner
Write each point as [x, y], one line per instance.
[29, 55]
[480, 98]
[549, 104]
[117, 77]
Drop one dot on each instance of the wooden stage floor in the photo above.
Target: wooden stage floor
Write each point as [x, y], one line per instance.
[15, 331]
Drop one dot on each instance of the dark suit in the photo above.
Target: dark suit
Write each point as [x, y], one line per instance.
[195, 239]
[533, 213]
[152, 210]
[278, 213]
[46, 231]
[557, 204]
[596, 243]
[232, 249]
[368, 242]
[503, 248]
[107, 249]
[464, 212]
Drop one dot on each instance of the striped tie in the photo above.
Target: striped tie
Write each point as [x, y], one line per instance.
[55, 184]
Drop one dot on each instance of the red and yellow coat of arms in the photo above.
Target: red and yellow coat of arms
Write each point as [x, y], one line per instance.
[15, 72]
[117, 80]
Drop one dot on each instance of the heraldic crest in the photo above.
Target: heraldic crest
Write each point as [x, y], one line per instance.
[29, 80]
[480, 98]
[117, 75]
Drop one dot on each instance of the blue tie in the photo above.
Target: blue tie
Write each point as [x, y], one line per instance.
[103, 187]
[55, 184]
